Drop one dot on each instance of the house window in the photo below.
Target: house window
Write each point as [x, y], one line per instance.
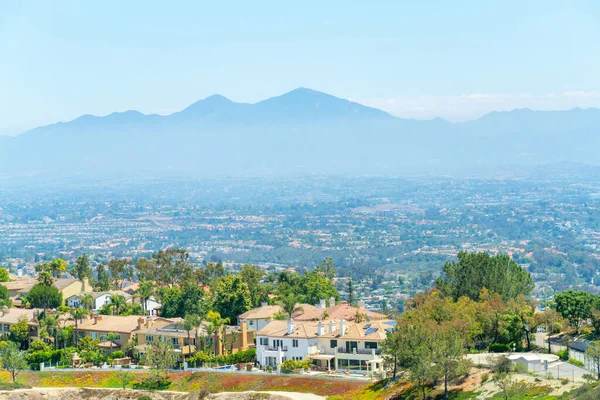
[149, 338]
[174, 341]
[294, 342]
[350, 346]
[94, 335]
[264, 341]
[370, 345]
[332, 344]
[251, 323]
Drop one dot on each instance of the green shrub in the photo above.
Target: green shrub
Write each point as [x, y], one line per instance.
[485, 378]
[145, 397]
[499, 348]
[576, 362]
[520, 368]
[563, 354]
[289, 366]
[118, 354]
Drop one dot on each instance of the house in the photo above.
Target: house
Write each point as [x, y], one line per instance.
[342, 310]
[99, 326]
[236, 338]
[100, 299]
[259, 317]
[13, 315]
[334, 345]
[18, 289]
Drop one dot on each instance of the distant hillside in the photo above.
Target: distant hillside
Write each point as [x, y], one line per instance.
[303, 131]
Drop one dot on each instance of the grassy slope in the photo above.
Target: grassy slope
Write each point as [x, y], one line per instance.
[192, 382]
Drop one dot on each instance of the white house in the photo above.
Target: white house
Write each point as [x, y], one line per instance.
[334, 345]
[100, 299]
[260, 317]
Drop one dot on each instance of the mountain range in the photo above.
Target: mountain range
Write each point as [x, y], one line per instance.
[300, 132]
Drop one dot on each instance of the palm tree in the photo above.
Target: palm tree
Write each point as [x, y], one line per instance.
[58, 266]
[87, 301]
[145, 291]
[117, 301]
[288, 303]
[190, 323]
[77, 315]
[46, 280]
[217, 322]
[50, 326]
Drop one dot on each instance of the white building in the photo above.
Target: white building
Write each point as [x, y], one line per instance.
[100, 299]
[334, 345]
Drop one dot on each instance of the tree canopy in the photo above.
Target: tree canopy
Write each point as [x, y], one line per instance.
[475, 271]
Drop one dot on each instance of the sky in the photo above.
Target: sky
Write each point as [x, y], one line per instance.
[421, 59]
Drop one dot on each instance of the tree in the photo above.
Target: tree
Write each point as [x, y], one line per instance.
[125, 377]
[171, 266]
[252, 275]
[87, 301]
[475, 271]
[5, 299]
[549, 318]
[316, 287]
[82, 268]
[118, 302]
[448, 351]
[160, 357]
[77, 315]
[4, 275]
[191, 323]
[288, 303]
[111, 337]
[146, 269]
[217, 323]
[13, 359]
[103, 281]
[41, 296]
[524, 310]
[58, 266]
[351, 299]
[213, 270]
[145, 291]
[117, 269]
[593, 354]
[19, 332]
[327, 268]
[232, 297]
[574, 306]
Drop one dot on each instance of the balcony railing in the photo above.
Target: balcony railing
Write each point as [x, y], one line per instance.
[344, 350]
[275, 348]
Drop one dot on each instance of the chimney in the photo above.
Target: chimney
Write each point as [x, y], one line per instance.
[331, 326]
[264, 304]
[97, 318]
[141, 323]
[322, 303]
[361, 304]
[290, 326]
[244, 336]
[149, 322]
[331, 302]
[342, 327]
[320, 329]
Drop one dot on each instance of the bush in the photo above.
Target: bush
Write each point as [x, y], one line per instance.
[576, 362]
[145, 397]
[289, 366]
[499, 348]
[563, 354]
[485, 378]
[118, 354]
[502, 365]
[520, 368]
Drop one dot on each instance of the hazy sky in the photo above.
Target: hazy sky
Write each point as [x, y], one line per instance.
[421, 59]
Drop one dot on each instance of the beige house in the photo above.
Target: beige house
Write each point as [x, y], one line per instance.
[12, 317]
[236, 338]
[99, 326]
[67, 286]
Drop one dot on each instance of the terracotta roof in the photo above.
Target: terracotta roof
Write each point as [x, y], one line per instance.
[266, 312]
[364, 330]
[339, 311]
[263, 312]
[13, 315]
[114, 323]
[175, 329]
